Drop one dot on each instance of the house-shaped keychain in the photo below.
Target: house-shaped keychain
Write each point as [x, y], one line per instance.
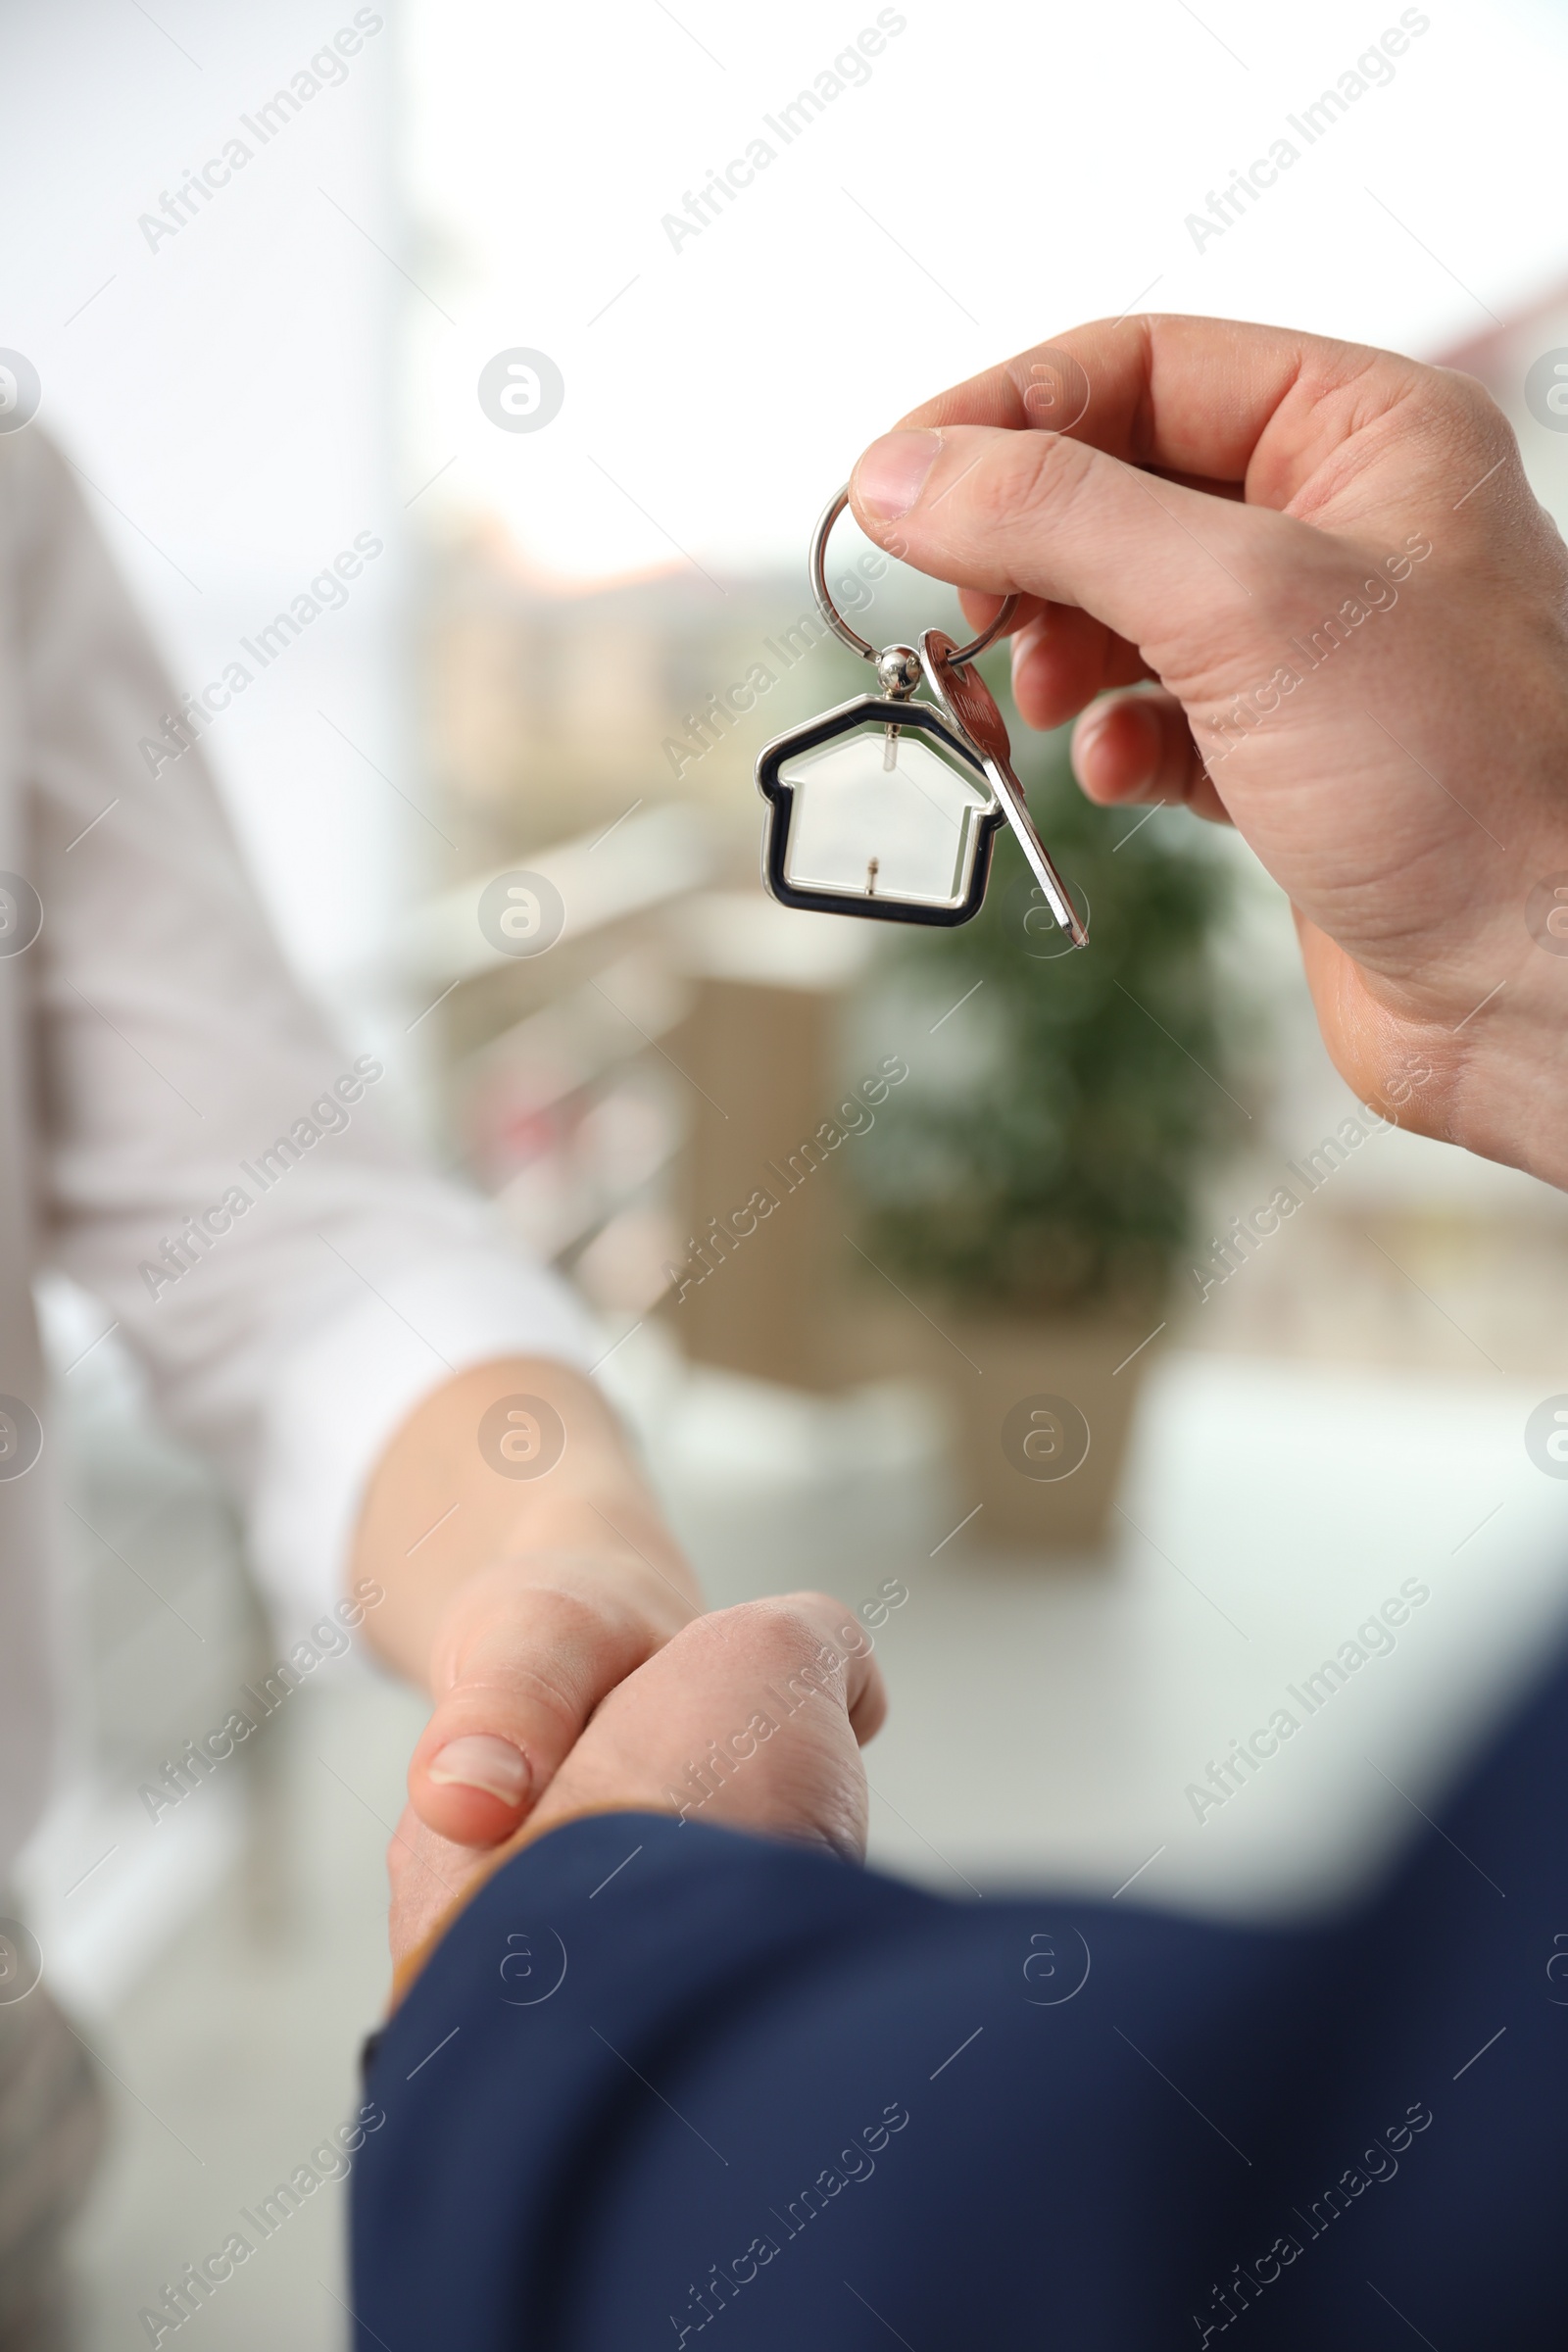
[889, 807]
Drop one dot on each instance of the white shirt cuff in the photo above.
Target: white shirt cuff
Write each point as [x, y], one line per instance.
[349, 1385]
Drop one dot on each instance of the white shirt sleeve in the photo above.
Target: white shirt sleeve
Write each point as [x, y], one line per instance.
[210, 1163]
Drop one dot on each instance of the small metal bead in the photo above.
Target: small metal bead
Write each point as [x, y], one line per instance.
[899, 671]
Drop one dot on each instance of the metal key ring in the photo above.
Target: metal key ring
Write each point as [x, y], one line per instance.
[835, 618]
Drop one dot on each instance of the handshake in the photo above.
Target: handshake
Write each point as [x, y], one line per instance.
[751, 1718]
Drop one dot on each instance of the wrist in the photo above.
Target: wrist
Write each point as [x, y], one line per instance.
[1509, 1101]
[445, 1506]
[1474, 1056]
[614, 1519]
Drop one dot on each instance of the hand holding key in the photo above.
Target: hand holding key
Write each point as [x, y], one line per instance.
[1311, 585]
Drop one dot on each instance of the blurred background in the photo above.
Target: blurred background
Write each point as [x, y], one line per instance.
[481, 294]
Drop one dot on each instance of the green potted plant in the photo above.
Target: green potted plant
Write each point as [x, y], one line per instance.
[1033, 1186]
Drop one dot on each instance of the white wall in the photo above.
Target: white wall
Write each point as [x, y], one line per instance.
[229, 389]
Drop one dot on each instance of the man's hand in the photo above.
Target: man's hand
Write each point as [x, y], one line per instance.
[763, 1705]
[1330, 562]
[520, 1602]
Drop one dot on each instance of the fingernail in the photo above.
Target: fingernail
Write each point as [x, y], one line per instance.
[1148, 725]
[891, 474]
[1026, 640]
[1091, 730]
[479, 1761]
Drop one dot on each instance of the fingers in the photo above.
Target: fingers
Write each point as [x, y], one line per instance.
[1138, 747]
[1173, 571]
[519, 1669]
[752, 1717]
[1208, 399]
[1133, 513]
[429, 1877]
[1062, 658]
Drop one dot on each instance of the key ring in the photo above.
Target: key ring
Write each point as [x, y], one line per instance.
[841, 628]
[889, 807]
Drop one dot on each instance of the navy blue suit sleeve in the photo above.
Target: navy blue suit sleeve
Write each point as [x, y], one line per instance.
[666, 2084]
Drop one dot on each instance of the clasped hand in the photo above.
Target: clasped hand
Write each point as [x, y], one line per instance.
[751, 1717]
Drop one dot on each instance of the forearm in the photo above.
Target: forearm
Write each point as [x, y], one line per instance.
[442, 1509]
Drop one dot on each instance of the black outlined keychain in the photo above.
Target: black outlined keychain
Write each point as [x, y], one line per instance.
[887, 807]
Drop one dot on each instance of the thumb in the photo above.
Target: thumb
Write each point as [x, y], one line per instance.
[1186, 578]
[518, 1668]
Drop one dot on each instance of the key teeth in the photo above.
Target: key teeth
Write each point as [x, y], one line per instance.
[1070, 922]
[972, 707]
[1076, 928]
